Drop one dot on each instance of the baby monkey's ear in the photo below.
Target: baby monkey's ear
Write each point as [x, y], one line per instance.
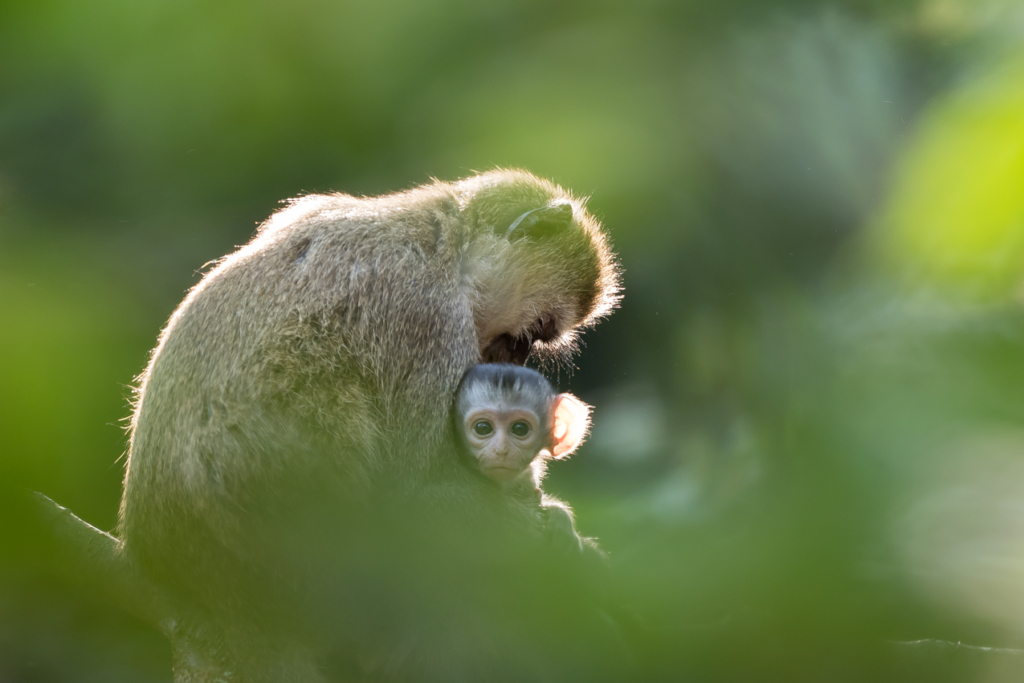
[572, 420]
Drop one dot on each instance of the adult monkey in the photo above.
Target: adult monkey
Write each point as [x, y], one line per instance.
[309, 377]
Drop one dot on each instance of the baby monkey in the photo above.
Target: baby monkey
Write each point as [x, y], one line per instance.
[511, 423]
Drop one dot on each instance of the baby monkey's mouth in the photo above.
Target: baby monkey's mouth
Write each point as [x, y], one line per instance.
[503, 473]
[505, 348]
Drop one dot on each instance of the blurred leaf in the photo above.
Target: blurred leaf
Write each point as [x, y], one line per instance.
[956, 215]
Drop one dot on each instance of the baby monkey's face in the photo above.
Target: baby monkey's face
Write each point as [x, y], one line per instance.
[504, 441]
[508, 416]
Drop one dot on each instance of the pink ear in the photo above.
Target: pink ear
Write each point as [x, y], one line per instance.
[572, 420]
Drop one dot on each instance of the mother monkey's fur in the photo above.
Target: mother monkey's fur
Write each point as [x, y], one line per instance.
[314, 368]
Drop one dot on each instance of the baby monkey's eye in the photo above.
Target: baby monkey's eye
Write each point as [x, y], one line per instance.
[483, 428]
[520, 428]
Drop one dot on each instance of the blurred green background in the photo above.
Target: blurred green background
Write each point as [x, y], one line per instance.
[808, 454]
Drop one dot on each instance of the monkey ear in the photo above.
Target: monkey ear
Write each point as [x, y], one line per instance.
[541, 222]
[572, 420]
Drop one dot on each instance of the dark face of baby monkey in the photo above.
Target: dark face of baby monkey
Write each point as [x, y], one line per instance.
[508, 415]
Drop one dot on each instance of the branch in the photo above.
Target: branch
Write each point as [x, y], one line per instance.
[97, 559]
